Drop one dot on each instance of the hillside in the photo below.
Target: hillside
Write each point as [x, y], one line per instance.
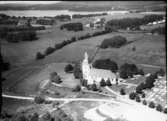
[90, 6]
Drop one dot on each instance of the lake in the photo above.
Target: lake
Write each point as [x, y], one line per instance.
[51, 13]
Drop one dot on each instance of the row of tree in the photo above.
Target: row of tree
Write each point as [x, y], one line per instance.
[58, 46]
[135, 96]
[131, 23]
[88, 15]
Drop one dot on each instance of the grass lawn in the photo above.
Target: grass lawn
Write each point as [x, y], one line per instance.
[12, 105]
[78, 109]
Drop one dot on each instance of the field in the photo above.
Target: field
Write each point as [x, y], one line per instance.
[32, 77]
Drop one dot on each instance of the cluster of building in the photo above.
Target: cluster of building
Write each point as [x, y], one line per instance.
[158, 93]
[96, 23]
[157, 22]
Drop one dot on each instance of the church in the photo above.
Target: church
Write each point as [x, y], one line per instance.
[94, 75]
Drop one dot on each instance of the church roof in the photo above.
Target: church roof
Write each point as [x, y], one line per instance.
[101, 73]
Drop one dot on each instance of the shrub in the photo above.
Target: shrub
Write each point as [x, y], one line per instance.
[116, 42]
[102, 83]
[39, 56]
[159, 108]
[39, 100]
[68, 68]
[138, 99]
[34, 117]
[122, 91]
[54, 77]
[77, 88]
[46, 117]
[151, 105]
[144, 102]
[132, 95]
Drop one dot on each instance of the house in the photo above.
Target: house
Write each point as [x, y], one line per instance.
[24, 22]
[45, 21]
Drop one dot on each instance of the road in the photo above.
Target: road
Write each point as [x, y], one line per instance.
[60, 99]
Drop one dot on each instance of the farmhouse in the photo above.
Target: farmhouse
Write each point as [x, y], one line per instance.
[93, 75]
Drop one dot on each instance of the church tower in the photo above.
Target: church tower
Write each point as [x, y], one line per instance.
[85, 67]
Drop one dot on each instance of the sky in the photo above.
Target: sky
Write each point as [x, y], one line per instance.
[29, 2]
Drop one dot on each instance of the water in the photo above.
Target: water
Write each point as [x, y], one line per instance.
[51, 13]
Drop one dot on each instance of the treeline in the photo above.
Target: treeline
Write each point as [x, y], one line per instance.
[57, 115]
[16, 34]
[159, 30]
[116, 42]
[72, 26]
[132, 23]
[4, 65]
[88, 15]
[63, 17]
[58, 46]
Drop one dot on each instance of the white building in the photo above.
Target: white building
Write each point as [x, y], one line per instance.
[96, 75]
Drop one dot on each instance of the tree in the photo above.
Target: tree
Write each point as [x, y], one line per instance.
[21, 117]
[84, 82]
[49, 50]
[122, 91]
[165, 110]
[132, 95]
[144, 102]
[68, 68]
[94, 87]
[143, 95]
[54, 77]
[161, 72]
[77, 71]
[106, 64]
[139, 88]
[151, 105]
[108, 82]
[149, 83]
[138, 99]
[127, 70]
[141, 72]
[159, 108]
[102, 83]
[39, 56]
